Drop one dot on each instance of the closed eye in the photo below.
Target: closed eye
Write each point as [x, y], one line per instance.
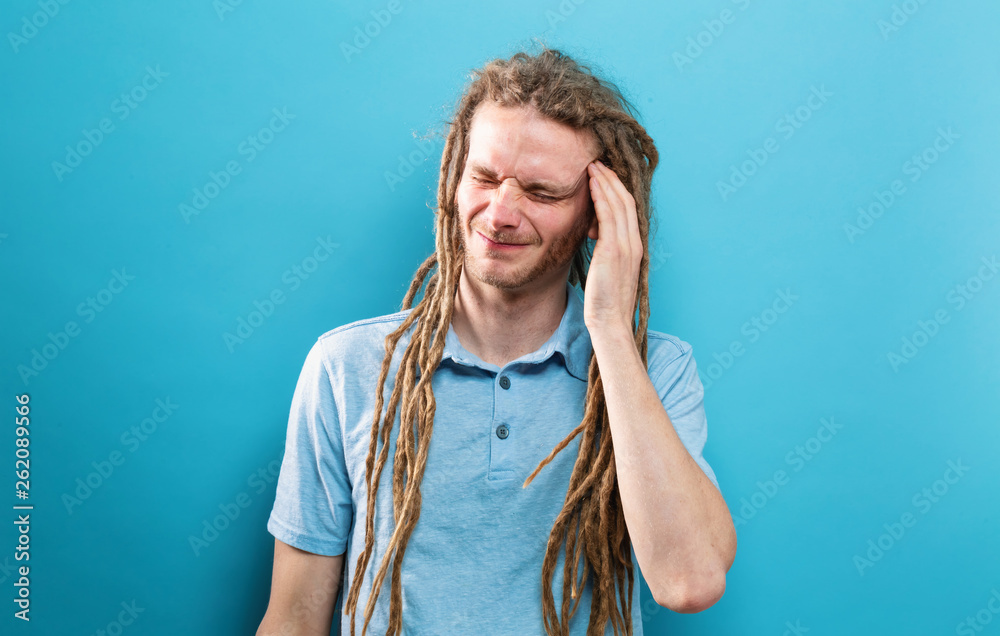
[542, 197]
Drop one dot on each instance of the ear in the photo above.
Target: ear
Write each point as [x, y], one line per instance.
[592, 230]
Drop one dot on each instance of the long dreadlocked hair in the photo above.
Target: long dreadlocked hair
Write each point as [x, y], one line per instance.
[591, 523]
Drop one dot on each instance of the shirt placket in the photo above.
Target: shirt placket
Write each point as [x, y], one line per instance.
[504, 427]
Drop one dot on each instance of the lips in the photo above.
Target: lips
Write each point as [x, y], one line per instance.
[492, 242]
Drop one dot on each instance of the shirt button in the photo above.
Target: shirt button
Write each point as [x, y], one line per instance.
[504, 382]
[502, 431]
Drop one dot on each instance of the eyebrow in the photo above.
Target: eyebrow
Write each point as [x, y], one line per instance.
[538, 184]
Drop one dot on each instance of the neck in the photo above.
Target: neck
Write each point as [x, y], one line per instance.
[500, 325]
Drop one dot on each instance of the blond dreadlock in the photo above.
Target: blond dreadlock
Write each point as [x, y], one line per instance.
[591, 523]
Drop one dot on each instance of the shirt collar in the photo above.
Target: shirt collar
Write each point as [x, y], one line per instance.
[571, 339]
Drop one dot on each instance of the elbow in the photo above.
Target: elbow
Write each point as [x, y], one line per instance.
[696, 590]
[694, 594]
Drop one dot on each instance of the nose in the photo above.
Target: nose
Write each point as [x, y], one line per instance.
[503, 210]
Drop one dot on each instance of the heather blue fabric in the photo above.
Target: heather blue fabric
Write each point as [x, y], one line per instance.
[473, 562]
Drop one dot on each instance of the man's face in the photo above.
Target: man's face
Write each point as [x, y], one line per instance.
[524, 198]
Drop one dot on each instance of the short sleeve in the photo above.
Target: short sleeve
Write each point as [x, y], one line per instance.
[674, 373]
[313, 509]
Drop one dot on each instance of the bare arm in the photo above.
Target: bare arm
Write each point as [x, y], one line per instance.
[681, 528]
[304, 590]
[678, 521]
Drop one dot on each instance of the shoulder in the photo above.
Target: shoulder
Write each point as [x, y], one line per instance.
[672, 368]
[664, 349]
[359, 342]
[365, 328]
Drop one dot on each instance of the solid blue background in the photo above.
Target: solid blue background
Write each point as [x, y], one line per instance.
[859, 316]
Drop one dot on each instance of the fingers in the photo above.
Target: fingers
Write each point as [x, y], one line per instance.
[622, 207]
[606, 215]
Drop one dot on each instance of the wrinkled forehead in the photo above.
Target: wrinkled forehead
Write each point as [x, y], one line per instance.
[509, 138]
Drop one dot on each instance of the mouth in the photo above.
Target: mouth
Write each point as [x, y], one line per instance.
[504, 246]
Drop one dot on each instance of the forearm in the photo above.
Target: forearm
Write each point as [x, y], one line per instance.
[679, 524]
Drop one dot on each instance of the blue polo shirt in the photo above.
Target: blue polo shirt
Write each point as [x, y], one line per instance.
[474, 561]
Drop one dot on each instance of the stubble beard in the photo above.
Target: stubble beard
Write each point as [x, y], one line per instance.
[559, 254]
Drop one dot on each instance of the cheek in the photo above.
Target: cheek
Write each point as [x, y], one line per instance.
[547, 231]
[462, 203]
[469, 202]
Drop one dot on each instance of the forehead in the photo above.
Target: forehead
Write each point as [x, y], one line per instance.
[519, 141]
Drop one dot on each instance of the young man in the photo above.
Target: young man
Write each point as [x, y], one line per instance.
[498, 368]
